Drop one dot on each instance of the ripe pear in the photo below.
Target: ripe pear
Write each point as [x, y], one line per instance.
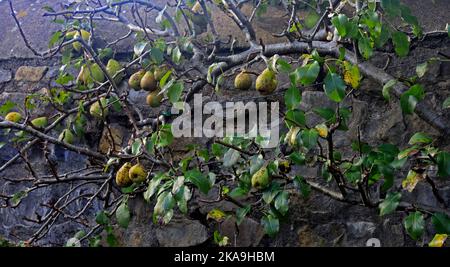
[40, 122]
[159, 72]
[135, 80]
[137, 173]
[261, 179]
[113, 67]
[148, 82]
[243, 81]
[122, 175]
[85, 35]
[154, 99]
[99, 111]
[13, 117]
[266, 82]
[66, 136]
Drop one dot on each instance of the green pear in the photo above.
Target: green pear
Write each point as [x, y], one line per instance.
[85, 35]
[266, 82]
[113, 67]
[137, 173]
[154, 99]
[66, 136]
[261, 178]
[40, 122]
[13, 117]
[122, 175]
[243, 81]
[148, 82]
[99, 111]
[135, 80]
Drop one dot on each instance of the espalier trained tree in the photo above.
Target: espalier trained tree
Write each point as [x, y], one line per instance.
[184, 54]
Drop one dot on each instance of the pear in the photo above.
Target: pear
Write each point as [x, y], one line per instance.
[154, 99]
[322, 129]
[113, 67]
[85, 35]
[266, 82]
[97, 73]
[135, 80]
[83, 76]
[99, 111]
[159, 72]
[66, 136]
[13, 117]
[122, 175]
[197, 8]
[148, 82]
[243, 81]
[137, 173]
[40, 122]
[261, 179]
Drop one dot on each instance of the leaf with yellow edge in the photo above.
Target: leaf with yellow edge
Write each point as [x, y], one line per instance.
[411, 180]
[217, 215]
[438, 241]
[322, 129]
[351, 74]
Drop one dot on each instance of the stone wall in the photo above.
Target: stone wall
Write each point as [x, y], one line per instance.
[316, 221]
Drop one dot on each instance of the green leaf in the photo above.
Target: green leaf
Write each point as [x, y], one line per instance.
[54, 38]
[414, 225]
[163, 210]
[326, 113]
[390, 203]
[7, 107]
[341, 23]
[441, 223]
[270, 193]
[256, 162]
[392, 7]
[271, 225]
[175, 92]
[421, 69]
[176, 55]
[446, 103]
[309, 138]
[157, 55]
[152, 187]
[282, 202]
[410, 98]
[139, 48]
[292, 98]
[401, 43]
[365, 47]
[304, 188]
[295, 117]
[102, 218]
[443, 161]
[297, 158]
[334, 87]
[241, 213]
[136, 147]
[17, 197]
[307, 74]
[387, 88]
[199, 180]
[165, 136]
[420, 138]
[123, 215]
[231, 157]
[238, 192]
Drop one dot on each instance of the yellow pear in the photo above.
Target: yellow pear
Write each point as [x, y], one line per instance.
[197, 8]
[159, 72]
[135, 80]
[148, 82]
[266, 82]
[113, 67]
[13, 117]
[261, 179]
[137, 173]
[122, 176]
[243, 81]
[40, 122]
[154, 99]
[99, 111]
[66, 136]
[85, 35]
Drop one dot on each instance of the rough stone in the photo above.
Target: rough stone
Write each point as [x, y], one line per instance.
[30, 74]
[307, 238]
[115, 143]
[249, 232]
[181, 233]
[5, 76]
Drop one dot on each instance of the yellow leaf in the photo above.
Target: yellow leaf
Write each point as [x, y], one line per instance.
[411, 180]
[351, 74]
[322, 129]
[21, 14]
[438, 241]
[216, 215]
